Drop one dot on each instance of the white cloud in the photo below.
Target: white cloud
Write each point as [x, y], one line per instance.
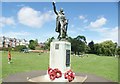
[106, 34]
[71, 32]
[98, 23]
[111, 34]
[0, 31]
[81, 17]
[30, 17]
[72, 26]
[16, 34]
[6, 21]
[47, 35]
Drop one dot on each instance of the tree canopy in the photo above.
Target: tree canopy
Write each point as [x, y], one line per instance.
[33, 44]
[47, 43]
[78, 44]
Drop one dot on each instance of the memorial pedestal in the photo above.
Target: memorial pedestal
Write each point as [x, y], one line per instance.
[60, 55]
[60, 52]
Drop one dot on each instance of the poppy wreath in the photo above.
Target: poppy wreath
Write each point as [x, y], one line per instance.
[54, 73]
[58, 73]
[51, 73]
[69, 75]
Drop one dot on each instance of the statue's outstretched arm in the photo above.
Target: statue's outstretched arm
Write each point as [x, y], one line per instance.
[54, 8]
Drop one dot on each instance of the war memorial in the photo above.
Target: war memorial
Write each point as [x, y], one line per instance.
[59, 65]
[59, 69]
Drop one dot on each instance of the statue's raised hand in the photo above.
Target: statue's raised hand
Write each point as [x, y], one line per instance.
[54, 8]
[53, 3]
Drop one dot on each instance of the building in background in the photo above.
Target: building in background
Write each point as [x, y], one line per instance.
[12, 42]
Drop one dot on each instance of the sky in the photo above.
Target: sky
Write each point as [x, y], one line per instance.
[97, 21]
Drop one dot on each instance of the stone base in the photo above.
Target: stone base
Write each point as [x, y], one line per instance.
[60, 52]
[45, 78]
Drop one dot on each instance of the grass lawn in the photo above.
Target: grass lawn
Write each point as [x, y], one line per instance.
[103, 66]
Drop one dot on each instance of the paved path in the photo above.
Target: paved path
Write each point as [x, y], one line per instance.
[22, 77]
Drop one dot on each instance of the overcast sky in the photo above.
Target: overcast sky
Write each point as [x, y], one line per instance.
[97, 21]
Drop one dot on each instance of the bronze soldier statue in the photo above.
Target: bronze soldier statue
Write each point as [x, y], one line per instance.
[61, 23]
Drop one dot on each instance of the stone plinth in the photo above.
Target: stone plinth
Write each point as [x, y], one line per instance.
[60, 52]
[60, 55]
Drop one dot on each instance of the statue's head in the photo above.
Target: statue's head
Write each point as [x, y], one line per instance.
[61, 10]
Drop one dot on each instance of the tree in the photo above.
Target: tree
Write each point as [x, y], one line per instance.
[32, 44]
[36, 42]
[91, 46]
[107, 48]
[118, 51]
[47, 43]
[97, 49]
[78, 44]
[81, 38]
[87, 49]
[81, 41]
[74, 45]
